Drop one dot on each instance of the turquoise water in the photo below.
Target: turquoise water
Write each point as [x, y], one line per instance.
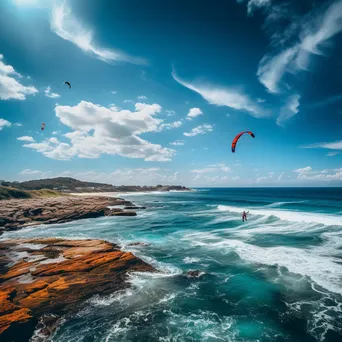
[277, 277]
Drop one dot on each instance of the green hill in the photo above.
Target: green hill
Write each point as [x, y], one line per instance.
[66, 184]
[9, 193]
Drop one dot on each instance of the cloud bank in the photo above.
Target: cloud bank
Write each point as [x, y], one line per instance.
[98, 130]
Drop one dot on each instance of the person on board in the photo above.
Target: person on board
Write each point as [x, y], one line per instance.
[244, 216]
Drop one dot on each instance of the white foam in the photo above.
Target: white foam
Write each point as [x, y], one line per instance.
[323, 315]
[287, 215]
[189, 260]
[322, 269]
[279, 204]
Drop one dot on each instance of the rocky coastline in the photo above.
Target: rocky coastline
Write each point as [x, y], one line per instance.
[45, 280]
[19, 213]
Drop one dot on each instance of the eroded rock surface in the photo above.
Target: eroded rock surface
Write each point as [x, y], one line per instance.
[19, 213]
[44, 279]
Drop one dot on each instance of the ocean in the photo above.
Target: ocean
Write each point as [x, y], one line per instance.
[276, 277]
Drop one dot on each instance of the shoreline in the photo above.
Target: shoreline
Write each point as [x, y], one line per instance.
[123, 193]
[20, 213]
[42, 281]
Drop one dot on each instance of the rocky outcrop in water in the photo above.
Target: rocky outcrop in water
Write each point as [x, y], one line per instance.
[19, 213]
[42, 280]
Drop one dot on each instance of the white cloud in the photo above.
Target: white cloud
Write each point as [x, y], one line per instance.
[65, 25]
[26, 138]
[114, 92]
[128, 101]
[335, 145]
[177, 143]
[313, 32]
[289, 109]
[303, 170]
[280, 177]
[10, 87]
[272, 68]
[4, 123]
[193, 112]
[332, 154]
[18, 124]
[254, 4]
[142, 97]
[30, 172]
[49, 94]
[235, 178]
[170, 112]
[267, 179]
[326, 175]
[221, 96]
[98, 130]
[175, 124]
[212, 168]
[202, 129]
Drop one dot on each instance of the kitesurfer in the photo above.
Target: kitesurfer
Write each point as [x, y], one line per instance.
[244, 216]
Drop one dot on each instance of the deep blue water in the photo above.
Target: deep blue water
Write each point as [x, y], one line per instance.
[277, 277]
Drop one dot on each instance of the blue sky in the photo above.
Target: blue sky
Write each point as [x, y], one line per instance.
[160, 89]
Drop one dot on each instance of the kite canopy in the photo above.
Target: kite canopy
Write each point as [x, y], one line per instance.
[235, 140]
[68, 84]
[43, 126]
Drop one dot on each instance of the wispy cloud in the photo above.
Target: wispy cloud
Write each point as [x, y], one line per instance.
[254, 4]
[314, 30]
[4, 123]
[221, 96]
[26, 138]
[332, 154]
[194, 112]
[30, 172]
[170, 125]
[335, 145]
[202, 129]
[49, 94]
[170, 112]
[65, 25]
[327, 101]
[212, 168]
[177, 143]
[326, 175]
[272, 68]
[10, 87]
[303, 170]
[289, 109]
[142, 97]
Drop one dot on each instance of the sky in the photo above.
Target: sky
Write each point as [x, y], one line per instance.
[159, 89]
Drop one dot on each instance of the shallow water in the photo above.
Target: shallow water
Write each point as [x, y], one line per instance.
[277, 277]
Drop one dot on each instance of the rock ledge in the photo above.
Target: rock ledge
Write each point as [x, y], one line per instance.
[44, 279]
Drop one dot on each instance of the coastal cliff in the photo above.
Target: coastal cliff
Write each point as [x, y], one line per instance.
[19, 213]
[42, 280]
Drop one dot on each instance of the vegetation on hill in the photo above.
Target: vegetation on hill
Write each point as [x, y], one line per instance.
[66, 184]
[9, 192]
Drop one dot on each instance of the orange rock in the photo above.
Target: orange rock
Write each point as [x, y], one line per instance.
[18, 316]
[68, 272]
